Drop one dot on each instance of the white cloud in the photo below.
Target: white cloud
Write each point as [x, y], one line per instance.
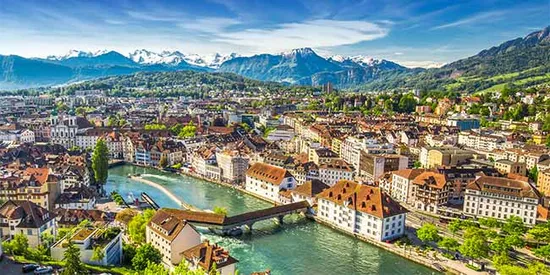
[421, 64]
[210, 24]
[490, 16]
[398, 53]
[313, 33]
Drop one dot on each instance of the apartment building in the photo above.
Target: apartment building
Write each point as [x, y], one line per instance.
[335, 170]
[267, 181]
[372, 167]
[543, 182]
[362, 210]
[505, 166]
[430, 191]
[399, 186]
[28, 218]
[501, 198]
[484, 141]
[233, 165]
[447, 156]
[171, 234]
[206, 256]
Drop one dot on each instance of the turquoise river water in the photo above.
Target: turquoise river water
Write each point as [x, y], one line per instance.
[300, 246]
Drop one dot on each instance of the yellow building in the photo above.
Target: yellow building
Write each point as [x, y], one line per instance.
[539, 138]
[505, 166]
[543, 182]
[448, 157]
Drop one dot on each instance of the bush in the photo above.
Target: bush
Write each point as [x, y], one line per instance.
[473, 267]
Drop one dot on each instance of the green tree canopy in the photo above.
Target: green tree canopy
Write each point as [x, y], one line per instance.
[100, 162]
[71, 257]
[428, 233]
[449, 244]
[146, 254]
[514, 225]
[136, 227]
[188, 131]
[220, 210]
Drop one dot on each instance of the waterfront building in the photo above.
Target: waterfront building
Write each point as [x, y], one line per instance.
[267, 180]
[501, 198]
[87, 239]
[233, 165]
[308, 191]
[206, 256]
[362, 210]
[171, 234]
[28, 218]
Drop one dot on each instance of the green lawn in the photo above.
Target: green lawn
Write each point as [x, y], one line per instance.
[94, 268]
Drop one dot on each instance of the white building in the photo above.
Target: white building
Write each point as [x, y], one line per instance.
[64, 130]
[362, 210]
[482, 141]
[267, 180]
[334, 170]
[400, 185]
[171, 235]
[501, 198]
[86, 239]
[233, 166]
[28, 218]
[206, 256]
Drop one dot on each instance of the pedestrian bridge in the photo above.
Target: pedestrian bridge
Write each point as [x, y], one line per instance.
[225, 225]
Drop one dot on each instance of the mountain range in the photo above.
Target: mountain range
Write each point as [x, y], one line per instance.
[299, 66]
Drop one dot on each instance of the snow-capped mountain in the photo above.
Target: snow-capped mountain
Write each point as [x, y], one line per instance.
[76, 53]
[365, 61]
[148, 57]
[175, 57]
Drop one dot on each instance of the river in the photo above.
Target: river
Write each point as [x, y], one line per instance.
[300, 246]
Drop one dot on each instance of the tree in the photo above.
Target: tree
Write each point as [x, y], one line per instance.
[428, 233]
[100, 161]
[475, 244]
[188, 131]
[19, 244]
[163, 162]
[145, 254]
[514, 225]
[97, 254]
[81, 111]
[47, 238]
[540, 232]
[155, 269]
[490, 222]
[136, 227]
[534, 173]
[407, 103]
[71, 257]
[128, 252]
[543, 252]
[501, 259]
[150, 127]
[220, 210]
[449, 244]
[39, 254]
[417, 164]
[500, 245]
[454, 226]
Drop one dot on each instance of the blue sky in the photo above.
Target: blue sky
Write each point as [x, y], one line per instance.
[414, 33]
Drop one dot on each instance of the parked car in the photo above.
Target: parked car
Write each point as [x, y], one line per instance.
[43, 270]
[29, 268]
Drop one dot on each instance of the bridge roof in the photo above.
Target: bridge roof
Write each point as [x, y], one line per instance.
[218, 219]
